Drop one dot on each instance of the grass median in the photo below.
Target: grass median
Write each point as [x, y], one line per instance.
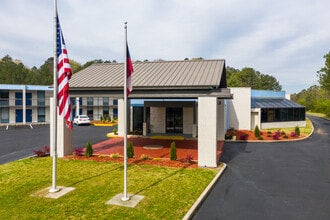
[169, 192]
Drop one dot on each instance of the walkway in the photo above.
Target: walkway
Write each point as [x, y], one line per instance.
[155, 148]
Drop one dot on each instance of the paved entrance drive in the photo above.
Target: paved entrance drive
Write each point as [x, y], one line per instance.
[274, 180]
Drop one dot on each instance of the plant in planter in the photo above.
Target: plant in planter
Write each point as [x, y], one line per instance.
[297, 130]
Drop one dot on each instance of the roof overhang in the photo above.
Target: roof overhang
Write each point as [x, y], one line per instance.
[152, 93]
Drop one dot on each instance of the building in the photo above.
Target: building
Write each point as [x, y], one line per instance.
[184, 97]
[267, 109]
[24, 104]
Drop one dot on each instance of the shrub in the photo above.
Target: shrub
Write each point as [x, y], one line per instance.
[189, 158]
[89, 149]
[115, 131]
[283, 133]
[244, 137]
[145, 157]
[256, 131]
[43, 152]
[173, 155]
[285, 136]
[130, 150]
[114, 155]
[293, 134]
[78, 151]
[277, 135]
[297, 130]
[260, 138]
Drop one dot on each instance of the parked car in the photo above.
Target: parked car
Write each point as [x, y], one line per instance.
[81, 119]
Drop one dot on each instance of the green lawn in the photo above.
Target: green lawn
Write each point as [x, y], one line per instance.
[169, 192]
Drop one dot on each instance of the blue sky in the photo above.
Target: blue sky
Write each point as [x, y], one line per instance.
[286, 39]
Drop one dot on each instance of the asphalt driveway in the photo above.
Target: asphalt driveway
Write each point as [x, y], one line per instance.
[289, 180]
[19, 141]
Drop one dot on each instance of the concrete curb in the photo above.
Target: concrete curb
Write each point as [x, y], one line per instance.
[202, 197]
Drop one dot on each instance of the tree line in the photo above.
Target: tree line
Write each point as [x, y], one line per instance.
[317, 97]
[15, 72]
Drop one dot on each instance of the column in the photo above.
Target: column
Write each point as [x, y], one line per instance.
[207, 131]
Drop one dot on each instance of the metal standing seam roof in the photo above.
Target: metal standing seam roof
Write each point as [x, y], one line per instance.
[192, 73]
[273, 103]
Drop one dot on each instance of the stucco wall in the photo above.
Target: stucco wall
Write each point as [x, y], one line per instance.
[157, 119]
[188, 119]
[239, 109]
[286, 124]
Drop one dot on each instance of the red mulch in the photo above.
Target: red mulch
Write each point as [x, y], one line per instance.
[249, 135]
[156, 162]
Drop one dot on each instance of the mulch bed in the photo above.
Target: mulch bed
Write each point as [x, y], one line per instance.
[155, 162]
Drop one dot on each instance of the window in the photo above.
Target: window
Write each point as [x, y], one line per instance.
[28, 101]
[4, 97]
[90, 101]
[18, 98]
[41, 114]
[4, 115]
[105, 101]
[41, 98]
[115, 102]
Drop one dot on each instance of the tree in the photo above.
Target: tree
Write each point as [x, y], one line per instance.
[324, 73]
[249, 77]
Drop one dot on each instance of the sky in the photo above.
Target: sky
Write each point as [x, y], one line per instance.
[283, 38]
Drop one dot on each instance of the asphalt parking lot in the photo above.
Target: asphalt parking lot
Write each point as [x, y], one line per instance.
[287, 180]
[18, 142]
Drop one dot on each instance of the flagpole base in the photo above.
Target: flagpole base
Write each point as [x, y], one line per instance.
[127, 198]
[54, 190]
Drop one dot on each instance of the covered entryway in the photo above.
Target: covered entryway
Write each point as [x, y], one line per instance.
[174, 120]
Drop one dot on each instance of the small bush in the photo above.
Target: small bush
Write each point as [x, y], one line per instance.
[269, 132]
[43, 152]
[277, 135]
[114, 155]
[260, 138]
[145, 157]
[293, 134]
[285, 136]
[130, 150]
[78, 151]
[283, 133]
[89, 149]
[115, 131]
[256, 131]
[173, 155]
[244, 137]
[297, 130]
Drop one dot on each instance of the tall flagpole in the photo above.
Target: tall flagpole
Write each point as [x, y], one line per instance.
[54, 139]
[125, 197]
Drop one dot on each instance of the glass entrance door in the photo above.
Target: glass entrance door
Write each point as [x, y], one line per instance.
[174, 120]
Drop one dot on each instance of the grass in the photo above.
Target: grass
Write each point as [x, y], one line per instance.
[321, 115]
[169, 192]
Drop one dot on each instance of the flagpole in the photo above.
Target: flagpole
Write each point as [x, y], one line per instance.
[54, 139]
[125, 197]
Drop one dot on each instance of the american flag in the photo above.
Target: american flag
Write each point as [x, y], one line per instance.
[130, 70]
[63, 76]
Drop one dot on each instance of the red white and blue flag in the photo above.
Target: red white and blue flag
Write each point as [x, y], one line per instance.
[129, 71]
[64, 73]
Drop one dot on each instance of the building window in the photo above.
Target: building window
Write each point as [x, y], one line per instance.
[90, 101]
[105, 101]
[4, 115]
[106, 111]
[18, 98]
[41, 98]
[115, 102]
[41, 114]
[4, 97]
[282, 114]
